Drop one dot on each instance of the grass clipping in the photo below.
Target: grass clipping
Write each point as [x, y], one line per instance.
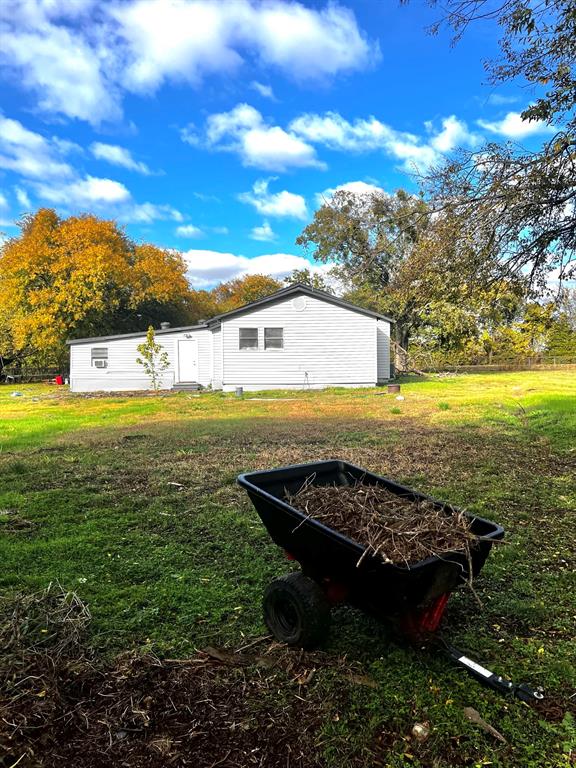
[60, 705]
[397, 529]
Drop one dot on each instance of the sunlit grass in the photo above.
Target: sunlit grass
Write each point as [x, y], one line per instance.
[543, 398]
[133, 503]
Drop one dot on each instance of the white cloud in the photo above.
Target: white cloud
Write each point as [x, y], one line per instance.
[58, 64]
[311, 44]
[359, 188]
[105, 197]
[146, 213]
[335, 132]
[23, 198]
[111, 153]
[264, 90]
[370, 134]
[244, 131]
[454, 134]
[30, 154]
[286, 204]
[189, 230]
[498, 99]
[263, 233]
[84, 192]
[4, 201]
[205, 268]
[513, 127]
[80, 57]
[39, 160]
[188, 39]
[274, 149]
[231, 125]
[177, 40]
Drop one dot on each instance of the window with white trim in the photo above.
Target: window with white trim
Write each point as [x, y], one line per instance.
[99, 357]
[248, 338]
[273, 338]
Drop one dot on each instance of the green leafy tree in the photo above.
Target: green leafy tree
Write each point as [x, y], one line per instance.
[154, 359]
[561, 340]
[396, 258]
[369, 238]
[309, 278]
[526, 198]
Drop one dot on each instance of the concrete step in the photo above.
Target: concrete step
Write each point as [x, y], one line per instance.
[186, 386]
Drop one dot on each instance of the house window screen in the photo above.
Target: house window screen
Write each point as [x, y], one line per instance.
[273, 338]
[99, 357]
[248, 338]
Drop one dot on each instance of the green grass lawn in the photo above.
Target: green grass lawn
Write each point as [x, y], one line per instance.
[132, 503]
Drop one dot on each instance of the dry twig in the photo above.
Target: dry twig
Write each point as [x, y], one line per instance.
[398, 529]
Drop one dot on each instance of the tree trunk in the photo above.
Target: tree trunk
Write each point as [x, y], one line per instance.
[402, 333]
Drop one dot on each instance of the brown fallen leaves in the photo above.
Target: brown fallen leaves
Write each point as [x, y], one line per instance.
[59, 705]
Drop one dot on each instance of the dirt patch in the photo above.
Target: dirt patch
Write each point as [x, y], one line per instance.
[12, 522]
[199, 712]
[59, 706]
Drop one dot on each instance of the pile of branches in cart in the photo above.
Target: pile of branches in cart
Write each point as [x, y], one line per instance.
[397, 529]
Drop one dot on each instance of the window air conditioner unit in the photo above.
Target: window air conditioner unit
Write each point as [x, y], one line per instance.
[100, 363]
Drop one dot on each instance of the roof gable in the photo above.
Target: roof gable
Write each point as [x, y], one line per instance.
[298, 289]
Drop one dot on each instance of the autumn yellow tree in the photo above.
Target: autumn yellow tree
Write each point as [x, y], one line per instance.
[82, 276]
[243, 290]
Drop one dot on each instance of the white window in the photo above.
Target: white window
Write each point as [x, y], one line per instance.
[273, 338]
[248, 338]
[99, 357]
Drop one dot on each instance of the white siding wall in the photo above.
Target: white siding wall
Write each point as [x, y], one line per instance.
[123, 373]
[204, 338]
[324, 345]
[383, 334]
[217, 358]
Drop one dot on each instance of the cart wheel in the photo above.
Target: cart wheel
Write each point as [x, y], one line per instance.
[296, 611]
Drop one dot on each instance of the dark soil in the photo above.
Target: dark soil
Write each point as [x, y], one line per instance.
[61, 706]
[201, 712]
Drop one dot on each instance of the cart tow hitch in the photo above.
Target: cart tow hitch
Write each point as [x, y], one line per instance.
[521, 691]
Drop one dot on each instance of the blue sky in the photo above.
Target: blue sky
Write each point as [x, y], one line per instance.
[215, 127]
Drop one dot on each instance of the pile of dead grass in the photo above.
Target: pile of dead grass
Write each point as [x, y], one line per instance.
[59, 707]
[397, 529]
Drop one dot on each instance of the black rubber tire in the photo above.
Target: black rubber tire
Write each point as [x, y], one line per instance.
[296, 611]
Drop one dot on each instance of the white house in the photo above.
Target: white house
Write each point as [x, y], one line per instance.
[294, 339]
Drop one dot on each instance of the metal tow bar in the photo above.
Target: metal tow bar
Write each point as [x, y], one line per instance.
[521, 691]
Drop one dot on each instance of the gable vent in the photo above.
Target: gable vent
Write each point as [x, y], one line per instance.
[299, 303]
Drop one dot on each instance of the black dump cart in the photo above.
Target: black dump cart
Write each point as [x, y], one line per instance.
[335, 569]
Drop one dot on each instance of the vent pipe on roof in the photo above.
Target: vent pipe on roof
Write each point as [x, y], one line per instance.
[164, 326]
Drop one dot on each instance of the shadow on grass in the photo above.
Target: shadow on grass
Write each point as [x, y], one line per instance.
[146, 523]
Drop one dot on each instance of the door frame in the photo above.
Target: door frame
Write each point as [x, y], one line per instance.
[187, 341]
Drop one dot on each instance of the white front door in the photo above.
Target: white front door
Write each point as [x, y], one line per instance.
[187, 360]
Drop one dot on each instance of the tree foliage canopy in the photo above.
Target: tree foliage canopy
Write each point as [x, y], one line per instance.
[82, 276]
[242, 290]
[395, 256]
[528, 199]
[312, 279]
